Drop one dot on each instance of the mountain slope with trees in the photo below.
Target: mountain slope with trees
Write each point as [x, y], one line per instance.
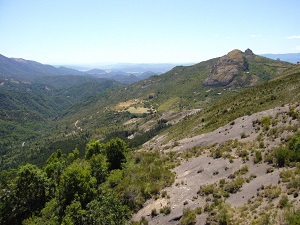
[73, 189]
[93, 144]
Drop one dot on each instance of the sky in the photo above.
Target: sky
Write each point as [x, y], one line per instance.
[145, 31]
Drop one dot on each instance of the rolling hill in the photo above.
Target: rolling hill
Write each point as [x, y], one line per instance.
[28, 70]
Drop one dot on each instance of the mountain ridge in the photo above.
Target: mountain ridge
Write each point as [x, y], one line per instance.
[288, 57]
[28, 70]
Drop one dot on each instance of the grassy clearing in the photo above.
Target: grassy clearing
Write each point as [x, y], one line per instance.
[135, 106]
[138, 110]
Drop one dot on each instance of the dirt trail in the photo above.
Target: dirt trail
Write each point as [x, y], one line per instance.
[76, 125]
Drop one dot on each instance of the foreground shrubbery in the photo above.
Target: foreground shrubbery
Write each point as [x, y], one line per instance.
[102, 188]
[291, 153]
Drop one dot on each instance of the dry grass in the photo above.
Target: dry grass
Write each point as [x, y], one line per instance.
[134, 106]
[123, 105]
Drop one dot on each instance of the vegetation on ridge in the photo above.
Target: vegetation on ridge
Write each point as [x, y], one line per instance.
[102, 188]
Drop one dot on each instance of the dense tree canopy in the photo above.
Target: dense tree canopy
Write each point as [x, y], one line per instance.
[97, 189]
[23, 195]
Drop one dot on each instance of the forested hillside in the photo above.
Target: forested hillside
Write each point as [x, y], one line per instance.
[183, 147]
[30, 112]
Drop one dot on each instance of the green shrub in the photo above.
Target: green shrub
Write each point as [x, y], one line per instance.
[223, 216]
[243, 153]
[206, 189]
[268, 159]
[294, 183]
[286, 175]
[154, 212]
[294, 147]
[243, 135]
[188, 217]
[265, 219]
[233, 186]
[218, 154]
[166, 210]
[143, 221]
[293, 217]
[281, 156]
[261, 144]
[257, 157]
[266, 122]
[244, 170]
[198, 210]
[283, 201]
[271, 192]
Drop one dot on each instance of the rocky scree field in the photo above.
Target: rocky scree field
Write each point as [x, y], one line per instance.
[231, 174]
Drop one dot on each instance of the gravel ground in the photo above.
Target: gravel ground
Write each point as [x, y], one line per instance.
[191, 174]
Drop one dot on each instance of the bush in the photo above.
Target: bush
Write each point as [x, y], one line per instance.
[223, 216]
[261, 144]
[271, 192]
[234, 185]
[143, 221]
[115, 151]
[257, 157]
[286, 175]
[166, 210]
[218, 154]
[268, 159]
[243, 135]
[244, 170]
[188, 217]
[293, 217]
[243, 153]
[281, 156]
[266, 122]
[206, 189]
[283, 201]
[198, 210]
[154, 212]
[294, 147]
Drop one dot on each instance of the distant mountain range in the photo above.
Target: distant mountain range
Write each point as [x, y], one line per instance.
[27, 70]
[157, 68]
[289, 57]
[22, 69]
[126, 73]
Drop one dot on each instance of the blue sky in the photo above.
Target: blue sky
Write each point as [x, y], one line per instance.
[145, 31]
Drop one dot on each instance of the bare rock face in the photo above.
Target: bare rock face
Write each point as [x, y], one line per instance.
[249, 52]
[227, 68]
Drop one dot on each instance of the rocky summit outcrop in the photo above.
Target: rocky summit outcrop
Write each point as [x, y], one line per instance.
[227, 68]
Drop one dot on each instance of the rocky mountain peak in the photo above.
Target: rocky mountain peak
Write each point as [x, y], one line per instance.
[227, 67]
[235, 54]
[249, 52]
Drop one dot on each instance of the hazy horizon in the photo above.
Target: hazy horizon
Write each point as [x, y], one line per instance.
[110, 32]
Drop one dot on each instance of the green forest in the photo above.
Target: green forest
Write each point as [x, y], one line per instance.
[104, 187]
